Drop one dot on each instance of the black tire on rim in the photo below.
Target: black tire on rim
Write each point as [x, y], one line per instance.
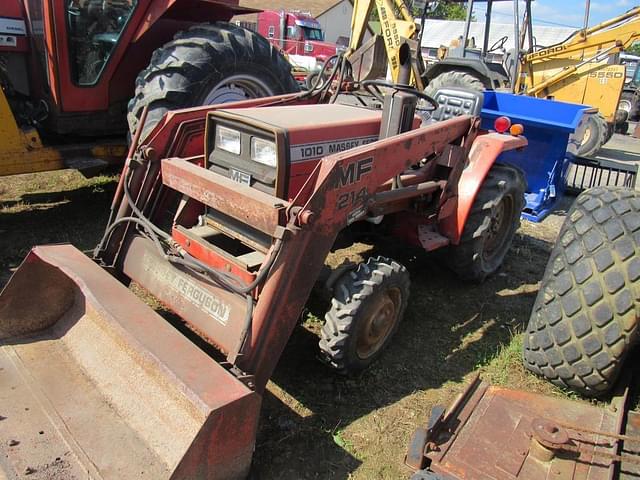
[595, 135]
[366, 309]
[629, 103]
[585, 318]
[209, 63]
[491, 225]
[455, 80]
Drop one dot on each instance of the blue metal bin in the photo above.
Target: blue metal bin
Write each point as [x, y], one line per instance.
[549, 127]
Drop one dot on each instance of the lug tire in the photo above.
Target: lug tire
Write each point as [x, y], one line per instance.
[186, 71]
[632, 99]
[490, 226]
[595, 137]
[456, 80]
[622, 128]
[345, 340]
[584, 320]
[610, 131]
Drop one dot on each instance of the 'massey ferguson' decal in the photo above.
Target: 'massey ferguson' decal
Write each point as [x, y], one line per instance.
[189, 290]
[12, 26]
[308, 151]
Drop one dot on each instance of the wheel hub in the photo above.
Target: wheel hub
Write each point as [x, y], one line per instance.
[378, 324]
[498, 227]
[236, 88]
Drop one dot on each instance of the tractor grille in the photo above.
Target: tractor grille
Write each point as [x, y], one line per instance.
[585, 173]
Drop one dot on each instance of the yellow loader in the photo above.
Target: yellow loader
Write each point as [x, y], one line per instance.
[578, 70]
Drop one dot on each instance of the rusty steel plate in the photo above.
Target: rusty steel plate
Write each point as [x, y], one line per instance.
[494, 433]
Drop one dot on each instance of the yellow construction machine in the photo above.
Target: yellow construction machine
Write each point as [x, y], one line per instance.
[580, 70]
[577, 70]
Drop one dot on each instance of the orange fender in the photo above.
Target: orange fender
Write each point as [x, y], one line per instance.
[484, 153]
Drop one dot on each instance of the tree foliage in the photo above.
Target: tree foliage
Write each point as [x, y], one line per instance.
[443, 11]
[634, 49]
[447, 11]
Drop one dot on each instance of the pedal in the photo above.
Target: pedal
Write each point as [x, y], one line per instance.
[430, 239]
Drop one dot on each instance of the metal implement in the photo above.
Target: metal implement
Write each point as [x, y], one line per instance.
[95, 384]
[496, 433]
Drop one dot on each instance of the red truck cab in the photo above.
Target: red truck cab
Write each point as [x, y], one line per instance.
[296, 33]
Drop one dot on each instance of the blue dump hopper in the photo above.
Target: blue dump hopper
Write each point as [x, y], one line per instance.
[549, 127]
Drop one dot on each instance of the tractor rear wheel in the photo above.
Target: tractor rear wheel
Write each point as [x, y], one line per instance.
[595, 135]
[585, 318]
[455, 80]
[490, 226]
[207, 64]
[366, 309]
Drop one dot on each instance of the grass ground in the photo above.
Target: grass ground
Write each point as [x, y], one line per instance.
[316, 424]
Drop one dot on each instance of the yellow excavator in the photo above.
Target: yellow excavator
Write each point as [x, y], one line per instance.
[577, 70]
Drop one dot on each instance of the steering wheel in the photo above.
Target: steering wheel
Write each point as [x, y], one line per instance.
[498, 44]
[399, 87]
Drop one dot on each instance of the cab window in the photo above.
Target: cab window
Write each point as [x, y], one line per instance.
[312, 33]
[94, 28]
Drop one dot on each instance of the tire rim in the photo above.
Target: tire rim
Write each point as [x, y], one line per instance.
[625, 105]
[499, 226]
[237, 88]
[587, 135]
[377, 326]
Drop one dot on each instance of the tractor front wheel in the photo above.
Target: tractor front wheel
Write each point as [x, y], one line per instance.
[207, 64]
[490, 226]
[366, 308]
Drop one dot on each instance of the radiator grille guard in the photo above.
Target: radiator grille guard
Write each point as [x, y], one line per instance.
[585, 173]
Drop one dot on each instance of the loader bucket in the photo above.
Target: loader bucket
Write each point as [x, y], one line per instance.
[95, 384]
[370, 60]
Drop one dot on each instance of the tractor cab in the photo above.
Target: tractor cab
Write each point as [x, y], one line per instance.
[490, 59]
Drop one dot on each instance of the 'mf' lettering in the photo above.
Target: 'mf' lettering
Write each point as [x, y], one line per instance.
[353, 172]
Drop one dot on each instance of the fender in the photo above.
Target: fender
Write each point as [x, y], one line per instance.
[484, 152]
[189, 10]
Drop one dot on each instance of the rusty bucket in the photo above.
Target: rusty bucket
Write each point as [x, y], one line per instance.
[95, 384]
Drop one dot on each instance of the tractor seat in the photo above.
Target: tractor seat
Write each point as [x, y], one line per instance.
[454, 102]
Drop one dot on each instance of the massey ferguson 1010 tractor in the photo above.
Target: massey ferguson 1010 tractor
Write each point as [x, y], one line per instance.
[226, 214]
[72, 72]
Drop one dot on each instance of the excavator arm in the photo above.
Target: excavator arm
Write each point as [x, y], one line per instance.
[578, 54]
[578, 70]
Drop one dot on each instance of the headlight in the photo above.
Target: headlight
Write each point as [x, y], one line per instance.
[263, 151]
[228, 140]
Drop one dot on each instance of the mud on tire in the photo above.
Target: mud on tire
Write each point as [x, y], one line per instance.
[198, 62]
[584, 319]
[491, 225]
[366, 309]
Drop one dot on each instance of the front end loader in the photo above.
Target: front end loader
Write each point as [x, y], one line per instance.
[225, 215]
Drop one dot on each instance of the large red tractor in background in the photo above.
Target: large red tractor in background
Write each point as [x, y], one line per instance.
[73, 72]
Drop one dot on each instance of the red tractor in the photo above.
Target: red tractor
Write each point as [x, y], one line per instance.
[226, 214]
[73, 72]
